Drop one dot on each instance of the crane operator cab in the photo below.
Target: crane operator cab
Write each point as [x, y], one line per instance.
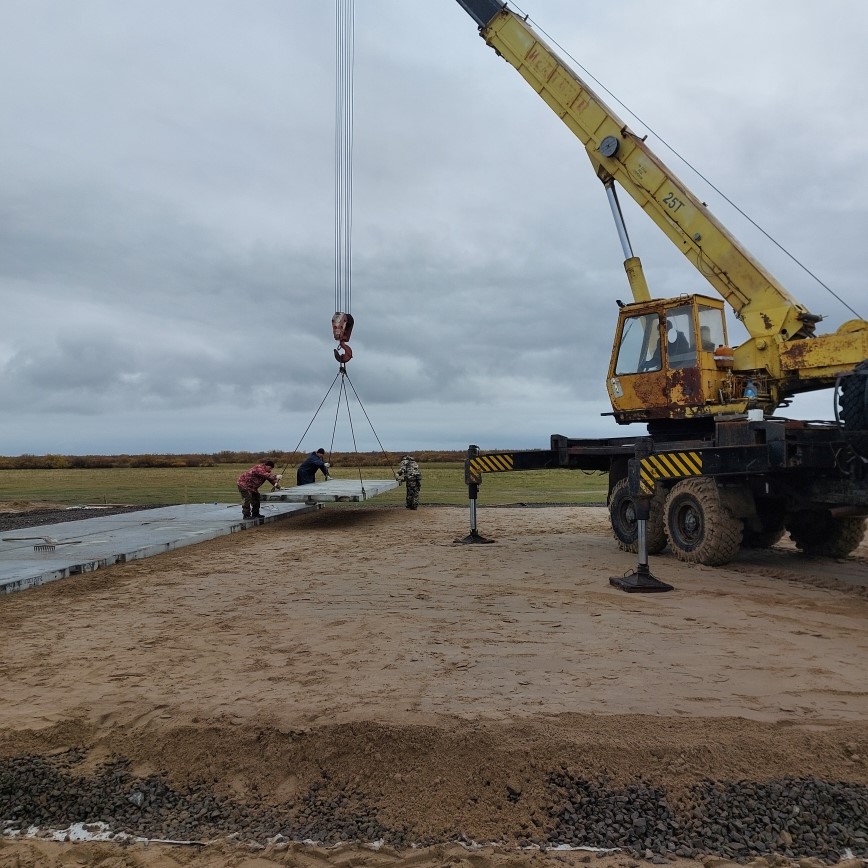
[670, 359]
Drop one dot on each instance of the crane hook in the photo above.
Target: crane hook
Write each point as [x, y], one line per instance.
[344, 354]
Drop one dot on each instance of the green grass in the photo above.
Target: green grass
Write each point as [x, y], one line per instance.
[441, 483]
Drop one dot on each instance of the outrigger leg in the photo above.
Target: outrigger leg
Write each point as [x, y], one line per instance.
[640, 580]
[473, 482]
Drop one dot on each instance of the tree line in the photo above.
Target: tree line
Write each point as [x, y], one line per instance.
[280, 457]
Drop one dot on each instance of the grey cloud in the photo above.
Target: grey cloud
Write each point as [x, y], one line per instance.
[166, 211]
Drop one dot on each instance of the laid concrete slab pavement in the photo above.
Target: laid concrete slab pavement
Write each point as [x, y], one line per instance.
[33, 556]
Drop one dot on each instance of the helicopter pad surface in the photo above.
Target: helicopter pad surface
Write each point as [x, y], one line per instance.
[335, 490]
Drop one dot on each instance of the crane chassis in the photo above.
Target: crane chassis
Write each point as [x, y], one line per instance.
[718, 469]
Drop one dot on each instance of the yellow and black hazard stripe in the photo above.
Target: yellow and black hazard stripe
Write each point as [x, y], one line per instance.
[491, 463]
[668, 465]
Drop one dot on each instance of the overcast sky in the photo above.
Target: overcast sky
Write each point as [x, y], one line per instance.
[167, 212]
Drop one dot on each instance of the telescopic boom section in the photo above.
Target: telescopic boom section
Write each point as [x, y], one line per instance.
[765, 307]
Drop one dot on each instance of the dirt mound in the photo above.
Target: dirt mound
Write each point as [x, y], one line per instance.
[357, 675]
[572, 780]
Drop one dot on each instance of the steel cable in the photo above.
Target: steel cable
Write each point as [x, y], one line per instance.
[343, 205]
[344, 99]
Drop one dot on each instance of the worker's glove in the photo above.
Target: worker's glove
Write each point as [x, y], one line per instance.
[277, 486]
[399, 476]
[279, 477]
[327, 464]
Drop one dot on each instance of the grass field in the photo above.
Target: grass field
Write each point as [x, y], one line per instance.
[441, 484]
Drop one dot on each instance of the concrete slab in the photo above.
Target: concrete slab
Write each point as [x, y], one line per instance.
[37, 555]
[340, 490]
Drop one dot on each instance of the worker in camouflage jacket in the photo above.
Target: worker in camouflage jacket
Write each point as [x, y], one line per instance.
[251, 481]
[409, 474]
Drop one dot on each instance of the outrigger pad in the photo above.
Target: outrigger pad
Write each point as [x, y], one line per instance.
[474, 537]
[640, 581]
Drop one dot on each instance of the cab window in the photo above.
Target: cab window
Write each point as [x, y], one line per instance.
[639, 350]
[680, 338]
[711, 329]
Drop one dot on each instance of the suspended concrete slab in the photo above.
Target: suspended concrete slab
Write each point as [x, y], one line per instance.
[34, 556]
[335, 490]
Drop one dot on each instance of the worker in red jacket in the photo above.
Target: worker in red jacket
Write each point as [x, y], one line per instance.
[249, 484]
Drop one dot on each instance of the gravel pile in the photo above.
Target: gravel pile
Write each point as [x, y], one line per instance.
[793, 817]
[42, 792]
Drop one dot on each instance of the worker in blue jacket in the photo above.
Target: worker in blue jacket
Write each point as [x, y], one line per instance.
[306, 473]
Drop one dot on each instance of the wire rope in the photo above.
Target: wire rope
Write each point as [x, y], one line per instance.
[337, 414]
[353, 431]
[369, 422]
[343, 206]
[342, 393]
[300, 439]
[344, 100]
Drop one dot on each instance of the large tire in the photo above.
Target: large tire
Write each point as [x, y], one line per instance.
[625, 527]
[699, 528]
[819, 534]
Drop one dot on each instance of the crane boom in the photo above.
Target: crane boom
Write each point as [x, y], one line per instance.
[615, 152]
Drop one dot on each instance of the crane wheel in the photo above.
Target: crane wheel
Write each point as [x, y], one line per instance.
[625, 527]
[819, 534]
[698, 526]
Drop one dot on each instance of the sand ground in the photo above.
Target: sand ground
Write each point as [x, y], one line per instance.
[366, 642]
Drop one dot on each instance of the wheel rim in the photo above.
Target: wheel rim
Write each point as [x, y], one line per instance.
[627, 515]
[689, 524]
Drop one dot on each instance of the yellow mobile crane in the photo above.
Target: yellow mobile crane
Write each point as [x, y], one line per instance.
[719, 469]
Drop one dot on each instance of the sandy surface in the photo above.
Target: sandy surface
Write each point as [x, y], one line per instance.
[367, 643]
